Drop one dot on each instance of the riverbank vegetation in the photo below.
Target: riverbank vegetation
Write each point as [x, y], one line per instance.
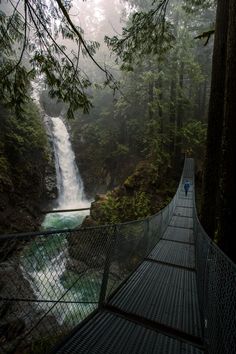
[23, 163]
[159, 115]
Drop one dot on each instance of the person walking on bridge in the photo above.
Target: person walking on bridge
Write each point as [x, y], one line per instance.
[186, 187]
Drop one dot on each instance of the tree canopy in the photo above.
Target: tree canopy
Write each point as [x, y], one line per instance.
[30, 35]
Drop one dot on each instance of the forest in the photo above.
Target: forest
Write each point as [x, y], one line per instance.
[153, 82]
[117, 176]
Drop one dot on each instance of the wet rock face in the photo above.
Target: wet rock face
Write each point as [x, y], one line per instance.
[89, 222]
[13, 319]
[75, 265]
[98, 170]
[18, 317]
[96, 212]
[143, 193]
[50, 185]
[51, 192]
[87, 248]
[51, 106]
[29, 179]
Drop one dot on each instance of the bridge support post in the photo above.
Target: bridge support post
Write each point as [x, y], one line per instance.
[110, 246]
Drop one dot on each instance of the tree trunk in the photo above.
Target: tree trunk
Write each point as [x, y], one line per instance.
[150, 100]
[180, 118]
[198, 103]
[173, 93]
[204, 99]
[172, 114]
[227, 220]
[159, 86]
[215, 121]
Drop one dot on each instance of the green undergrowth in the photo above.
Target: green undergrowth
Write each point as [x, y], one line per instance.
[24, 156]
[142, 194]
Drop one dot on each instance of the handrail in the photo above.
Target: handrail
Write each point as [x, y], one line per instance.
[216, 275]
[51, 262]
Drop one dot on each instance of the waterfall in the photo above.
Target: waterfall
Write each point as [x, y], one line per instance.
[49, 255]
[44, 266]
[69, 183]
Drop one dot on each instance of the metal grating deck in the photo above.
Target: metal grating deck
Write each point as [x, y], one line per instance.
[182, 221]
[178, 234]
[162, 294]
[111, 334]
[185, 202]
[179, 254]
[181, 211]
[156, 310]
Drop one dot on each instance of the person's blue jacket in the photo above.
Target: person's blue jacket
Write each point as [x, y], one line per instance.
[186, 186]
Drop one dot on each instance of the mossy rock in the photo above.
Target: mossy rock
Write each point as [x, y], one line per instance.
[144, 178]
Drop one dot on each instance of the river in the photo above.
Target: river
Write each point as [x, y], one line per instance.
[44, 259]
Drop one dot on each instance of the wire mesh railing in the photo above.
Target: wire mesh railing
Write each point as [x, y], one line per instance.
[50, 281]
[216, 283]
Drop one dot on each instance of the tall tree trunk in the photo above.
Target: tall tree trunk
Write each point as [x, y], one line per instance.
[180, 111]
[150, 99]
[203, 102]
[227, 220]
[198, 103]
[215, 121]
[159, 86]
[172, 114]
[180, 117]
[173, 93]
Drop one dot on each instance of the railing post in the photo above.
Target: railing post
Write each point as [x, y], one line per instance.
[110, 246]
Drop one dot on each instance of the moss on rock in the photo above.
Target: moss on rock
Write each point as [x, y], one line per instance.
[143, 193]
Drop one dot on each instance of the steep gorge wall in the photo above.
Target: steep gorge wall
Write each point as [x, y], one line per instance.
[101, 170]
[26, 171]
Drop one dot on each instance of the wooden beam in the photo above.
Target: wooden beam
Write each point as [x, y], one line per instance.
[63, 210]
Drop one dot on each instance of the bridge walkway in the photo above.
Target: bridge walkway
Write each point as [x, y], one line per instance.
[156, 310]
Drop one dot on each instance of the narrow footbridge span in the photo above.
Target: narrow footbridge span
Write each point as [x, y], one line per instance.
[157, 285]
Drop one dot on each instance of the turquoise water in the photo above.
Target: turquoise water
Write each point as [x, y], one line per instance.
[60, 221]
[64, 291]
[44, 263]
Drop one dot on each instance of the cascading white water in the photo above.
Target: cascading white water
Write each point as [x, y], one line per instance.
[69, 183]
[47, 270]
[47, 277]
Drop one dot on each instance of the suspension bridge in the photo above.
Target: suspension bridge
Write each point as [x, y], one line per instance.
[158, 285]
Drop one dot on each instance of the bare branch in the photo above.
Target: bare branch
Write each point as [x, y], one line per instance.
[23, 47]
[65, 13]
[48, 33]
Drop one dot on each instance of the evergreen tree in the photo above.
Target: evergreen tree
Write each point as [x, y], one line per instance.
[215, 121]
[37, 27]
[227, 222]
